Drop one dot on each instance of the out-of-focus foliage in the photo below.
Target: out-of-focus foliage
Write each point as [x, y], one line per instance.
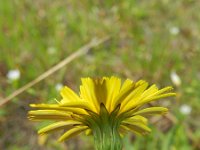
[153, 40]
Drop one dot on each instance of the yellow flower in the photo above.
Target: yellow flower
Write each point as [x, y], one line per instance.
[104, 105]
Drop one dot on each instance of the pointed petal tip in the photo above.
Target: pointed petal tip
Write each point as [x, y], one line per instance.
[39, 105]
[164, 111]
[32, 105]
[40, 132]
[60, 140]
[174, 94]
[170, 94]
[30, 112]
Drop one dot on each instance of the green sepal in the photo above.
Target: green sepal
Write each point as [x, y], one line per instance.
[107, 138]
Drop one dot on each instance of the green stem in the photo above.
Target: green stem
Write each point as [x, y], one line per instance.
[105, 132]
[107, 138]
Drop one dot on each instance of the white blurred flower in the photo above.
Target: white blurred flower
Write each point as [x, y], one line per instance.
[175, 78]
[13, 74]
[51, 50]
[174, 30]
[185, 109]
[58, 86]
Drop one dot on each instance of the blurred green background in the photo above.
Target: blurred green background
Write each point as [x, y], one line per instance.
[155, 40]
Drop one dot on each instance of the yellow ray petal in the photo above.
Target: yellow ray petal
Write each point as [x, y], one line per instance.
[48, 115]
[68, 95]
[87, 92]
[42, 118]
[141, 102]
[58, 107]
[151, 90]
[113, 87]
[72, 132]
[151, 111]
[100, 90]
[48, 112]
[157, 92]
[126, 84]
[133, 97]
[79, 104]
[58, 126]
[163, 90]
[124, 129]
[136, 118]
[137, 127]
[88, 132]
[156, 97]
[140, 82]
[123, 94]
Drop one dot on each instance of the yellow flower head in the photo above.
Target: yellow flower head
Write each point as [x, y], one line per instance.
[103, 104]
